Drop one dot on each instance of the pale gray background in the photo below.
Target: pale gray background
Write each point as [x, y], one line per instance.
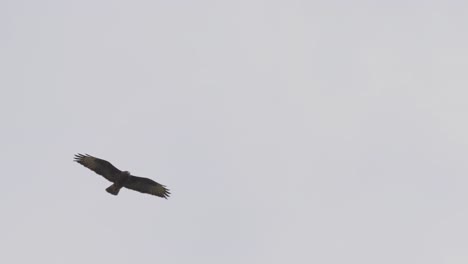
[287, 131]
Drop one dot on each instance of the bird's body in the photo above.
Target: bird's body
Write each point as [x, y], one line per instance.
[120, 178]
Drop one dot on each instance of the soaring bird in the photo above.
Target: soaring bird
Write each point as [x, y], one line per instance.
[121, 178]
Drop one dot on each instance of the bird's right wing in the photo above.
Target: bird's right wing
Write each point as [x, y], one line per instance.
[99, 166]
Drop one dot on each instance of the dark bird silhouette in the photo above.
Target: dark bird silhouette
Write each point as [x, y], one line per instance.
[121, 178]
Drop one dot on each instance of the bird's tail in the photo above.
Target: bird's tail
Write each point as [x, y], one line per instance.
[113, 189]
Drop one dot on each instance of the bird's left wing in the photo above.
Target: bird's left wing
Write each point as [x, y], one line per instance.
[145, 185]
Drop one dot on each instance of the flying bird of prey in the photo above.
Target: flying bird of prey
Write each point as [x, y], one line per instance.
[121, 178]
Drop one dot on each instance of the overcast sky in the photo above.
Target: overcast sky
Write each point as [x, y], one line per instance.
[291, 131]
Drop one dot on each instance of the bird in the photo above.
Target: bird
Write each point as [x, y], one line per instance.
[120, 178]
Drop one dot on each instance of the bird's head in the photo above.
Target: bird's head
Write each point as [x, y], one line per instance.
[126, 173]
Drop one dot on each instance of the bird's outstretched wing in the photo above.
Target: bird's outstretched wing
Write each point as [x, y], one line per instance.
[99, 166]
[145, 185]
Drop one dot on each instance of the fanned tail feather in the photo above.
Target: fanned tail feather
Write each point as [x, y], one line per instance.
[113, 189]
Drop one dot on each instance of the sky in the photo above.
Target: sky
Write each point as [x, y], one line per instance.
[287, 131]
